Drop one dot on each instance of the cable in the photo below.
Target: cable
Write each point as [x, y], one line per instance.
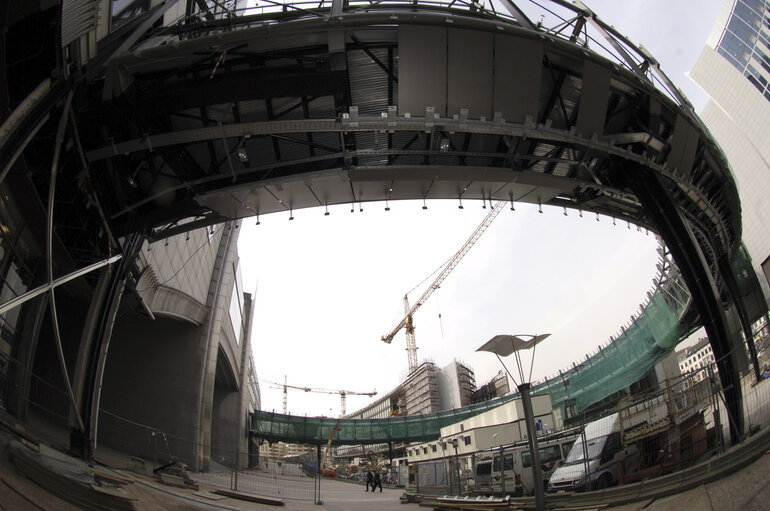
[184, 263]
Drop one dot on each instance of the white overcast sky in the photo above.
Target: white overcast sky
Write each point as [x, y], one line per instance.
[328, 287]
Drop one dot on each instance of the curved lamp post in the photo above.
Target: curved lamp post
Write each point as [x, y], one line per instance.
[504, 345]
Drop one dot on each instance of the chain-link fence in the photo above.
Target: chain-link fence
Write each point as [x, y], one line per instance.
[33, 397]
[152, 450]
[642, 437]
[296, 478]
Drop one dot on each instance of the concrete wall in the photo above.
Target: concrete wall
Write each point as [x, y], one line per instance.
[184, 378]
[151, 382]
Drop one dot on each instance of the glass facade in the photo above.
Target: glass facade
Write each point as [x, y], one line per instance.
[745, 42]
[236, 303]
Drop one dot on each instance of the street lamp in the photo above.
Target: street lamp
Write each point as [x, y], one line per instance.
[504, 345]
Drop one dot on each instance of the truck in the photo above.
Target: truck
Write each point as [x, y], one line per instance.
[514, 475]
[594, 461]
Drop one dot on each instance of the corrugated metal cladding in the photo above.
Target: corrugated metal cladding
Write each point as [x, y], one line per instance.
[369, 82]
[78, 18]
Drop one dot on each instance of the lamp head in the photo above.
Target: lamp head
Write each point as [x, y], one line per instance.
[504, 345]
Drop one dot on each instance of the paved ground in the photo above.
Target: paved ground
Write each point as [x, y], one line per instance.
[745, 490]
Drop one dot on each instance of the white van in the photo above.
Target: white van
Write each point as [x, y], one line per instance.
[600, 459]
[515, 478]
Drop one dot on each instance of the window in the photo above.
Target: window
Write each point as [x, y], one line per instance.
[507, 464]
[425, 450]
[236, 305]
[547, 454]
[433, 447]
[484, 469]
[467, 440]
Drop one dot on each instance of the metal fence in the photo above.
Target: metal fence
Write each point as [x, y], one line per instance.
[295, 479]
[645, 436]
[152, 449]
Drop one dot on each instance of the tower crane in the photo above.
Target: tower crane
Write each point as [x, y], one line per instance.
[343, 393]
[407, 322]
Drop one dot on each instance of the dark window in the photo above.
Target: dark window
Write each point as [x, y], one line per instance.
[467, 440]
[611, 447]
[547, 455]
[483, 469]
[433, 447]
[507, 464]
[756, 83]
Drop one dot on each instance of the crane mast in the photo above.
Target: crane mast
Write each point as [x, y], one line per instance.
[407, 323]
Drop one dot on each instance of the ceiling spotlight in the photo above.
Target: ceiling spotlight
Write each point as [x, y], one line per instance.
[443, 145]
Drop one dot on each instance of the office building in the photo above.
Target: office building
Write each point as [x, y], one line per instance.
[734, 70]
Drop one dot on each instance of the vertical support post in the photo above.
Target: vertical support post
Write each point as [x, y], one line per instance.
[657, 201]
[534, 452]
[586, 469]
[732, 286]
[502, 472]
[235, 468]
[317, 486]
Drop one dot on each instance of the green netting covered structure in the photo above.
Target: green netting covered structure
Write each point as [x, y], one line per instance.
[275, 427]
[652, 334]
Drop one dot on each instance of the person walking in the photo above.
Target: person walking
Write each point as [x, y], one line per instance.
[369, 480]
[377, 481]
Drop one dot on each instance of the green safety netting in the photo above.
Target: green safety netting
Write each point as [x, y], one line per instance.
[624, 361]
[653, 334]
[275, 427]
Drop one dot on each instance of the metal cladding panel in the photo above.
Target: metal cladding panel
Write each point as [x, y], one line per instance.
[422, 73]
[469, 77]
[518, 72]
[594, 96]
[684, 142]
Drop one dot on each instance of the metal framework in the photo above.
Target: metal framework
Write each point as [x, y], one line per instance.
[226, 113]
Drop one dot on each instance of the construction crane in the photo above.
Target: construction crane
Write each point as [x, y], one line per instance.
[343, 393]
[408, 322]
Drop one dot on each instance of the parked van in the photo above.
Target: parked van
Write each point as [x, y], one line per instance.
[593, 462]
[514, 477]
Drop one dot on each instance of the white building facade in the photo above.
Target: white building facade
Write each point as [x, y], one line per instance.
[734, 70]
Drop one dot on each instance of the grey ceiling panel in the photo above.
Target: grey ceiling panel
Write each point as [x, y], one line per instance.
[518, 72]
[469, 79]
[594, 98]
[422, 74]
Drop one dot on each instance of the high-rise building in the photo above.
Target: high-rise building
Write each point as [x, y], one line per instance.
[734, 70]
[456, 385]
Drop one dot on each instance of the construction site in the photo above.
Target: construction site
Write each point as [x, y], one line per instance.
[139, 139]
